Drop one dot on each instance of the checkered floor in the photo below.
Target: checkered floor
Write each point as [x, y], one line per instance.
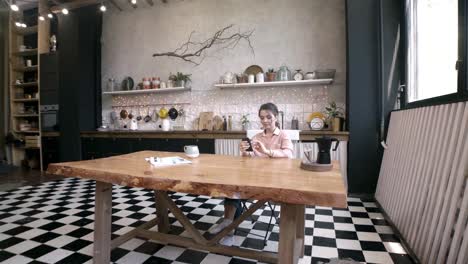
[53, 223]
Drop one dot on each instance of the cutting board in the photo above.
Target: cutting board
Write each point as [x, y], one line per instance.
[206, 121]
[217, 123]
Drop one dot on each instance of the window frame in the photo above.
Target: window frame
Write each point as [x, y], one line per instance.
[462, 90]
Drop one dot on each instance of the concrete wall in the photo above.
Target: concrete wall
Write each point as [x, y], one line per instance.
[302, 34]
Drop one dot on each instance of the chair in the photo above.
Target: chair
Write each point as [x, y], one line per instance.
[294, 136]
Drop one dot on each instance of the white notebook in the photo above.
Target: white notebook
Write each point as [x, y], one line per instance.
[167, 161]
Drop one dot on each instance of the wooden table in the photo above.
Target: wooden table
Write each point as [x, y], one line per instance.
[262, 179]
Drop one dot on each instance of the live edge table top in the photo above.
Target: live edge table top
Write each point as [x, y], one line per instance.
[280, 180]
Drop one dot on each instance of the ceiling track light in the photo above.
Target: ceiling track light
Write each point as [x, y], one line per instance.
[14, 6]
[134, 2]
[41, 18]
[103, 8]
[65, 11]
[49, 15]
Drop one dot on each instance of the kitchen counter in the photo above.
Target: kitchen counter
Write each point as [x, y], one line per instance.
[304, 135]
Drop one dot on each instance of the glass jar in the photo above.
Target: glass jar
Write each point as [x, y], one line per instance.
[283, 74]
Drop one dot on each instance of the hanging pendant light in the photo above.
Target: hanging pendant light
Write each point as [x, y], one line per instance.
[13, 6]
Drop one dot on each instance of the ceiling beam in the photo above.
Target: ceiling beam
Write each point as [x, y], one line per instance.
[150, 2]
[73, 5]
[115, 5]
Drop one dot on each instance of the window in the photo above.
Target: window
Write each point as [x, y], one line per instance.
[432, 49]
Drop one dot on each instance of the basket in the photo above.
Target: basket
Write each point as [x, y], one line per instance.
[325, 74]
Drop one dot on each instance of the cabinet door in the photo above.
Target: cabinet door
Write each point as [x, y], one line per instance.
[50, 151]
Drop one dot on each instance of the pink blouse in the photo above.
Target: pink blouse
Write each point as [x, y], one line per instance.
[279, 143]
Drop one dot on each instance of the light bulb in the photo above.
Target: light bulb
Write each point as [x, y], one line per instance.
[14, 7]
[41, 18]
[23, 25]
[103, 8]
[134, 2]
[65, 11]
[18, 24]
[50, 15]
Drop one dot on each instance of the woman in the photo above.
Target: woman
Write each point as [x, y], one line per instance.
[271, 143]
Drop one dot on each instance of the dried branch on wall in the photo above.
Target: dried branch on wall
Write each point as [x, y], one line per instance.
[195, 52]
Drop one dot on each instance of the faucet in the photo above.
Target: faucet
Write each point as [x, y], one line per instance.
[282, 119]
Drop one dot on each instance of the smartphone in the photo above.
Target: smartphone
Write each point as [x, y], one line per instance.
[250, 143]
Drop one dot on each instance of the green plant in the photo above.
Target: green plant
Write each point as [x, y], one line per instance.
[180, 77]
[271, 70]
[332, 110]
[245, 119]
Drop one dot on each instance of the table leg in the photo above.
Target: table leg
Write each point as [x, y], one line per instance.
[161, 212]
[300, 228]
[102, 222]
[287, 239]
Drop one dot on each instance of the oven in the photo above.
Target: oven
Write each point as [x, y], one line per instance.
[49, 117]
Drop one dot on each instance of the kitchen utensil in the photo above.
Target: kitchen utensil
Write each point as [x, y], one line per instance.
[309, 76]
[324, 74]
[283, 74]
[173, 113]
[127, 84]
[147, 117]
[253, 69]
[155, 116]
[217, 123]
[324, 145]
[165, 124]
[130, 116]
[206, 121]
[163, 112]
[123, 114]
[139, 117]
[228, 77]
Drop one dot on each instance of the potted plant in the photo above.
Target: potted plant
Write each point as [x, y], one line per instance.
[180, 79]
[245, 122]
[271, 75]
[334, 114]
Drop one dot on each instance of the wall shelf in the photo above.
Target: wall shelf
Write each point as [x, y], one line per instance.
[29, 52]
[29, 84]
[26, 31]
[25, 100]
[27, 131]
[26, 115]
[25, 69]
[163, 90]
[276, 84]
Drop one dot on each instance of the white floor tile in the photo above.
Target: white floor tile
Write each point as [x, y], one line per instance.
[377, 257]
[169, 252]
[393, 247]
[55, 256]
[368, 236]
[348, 244]
[330, 233]
[324, 252]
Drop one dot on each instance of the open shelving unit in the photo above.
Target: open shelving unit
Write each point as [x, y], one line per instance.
[276, 84]
[147, 91]
[25, 119]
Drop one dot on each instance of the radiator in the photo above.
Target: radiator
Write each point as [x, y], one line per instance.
[231, 147]
[422, 184]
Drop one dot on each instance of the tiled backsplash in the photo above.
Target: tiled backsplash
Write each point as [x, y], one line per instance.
[293, 101]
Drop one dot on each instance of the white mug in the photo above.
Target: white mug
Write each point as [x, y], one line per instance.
[191, 151]
[251, 78]
[260, 77]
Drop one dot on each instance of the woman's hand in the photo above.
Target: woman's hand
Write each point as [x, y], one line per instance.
[258, 146]
[243, 146]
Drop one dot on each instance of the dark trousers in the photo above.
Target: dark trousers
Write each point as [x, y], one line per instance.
[237, 204]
